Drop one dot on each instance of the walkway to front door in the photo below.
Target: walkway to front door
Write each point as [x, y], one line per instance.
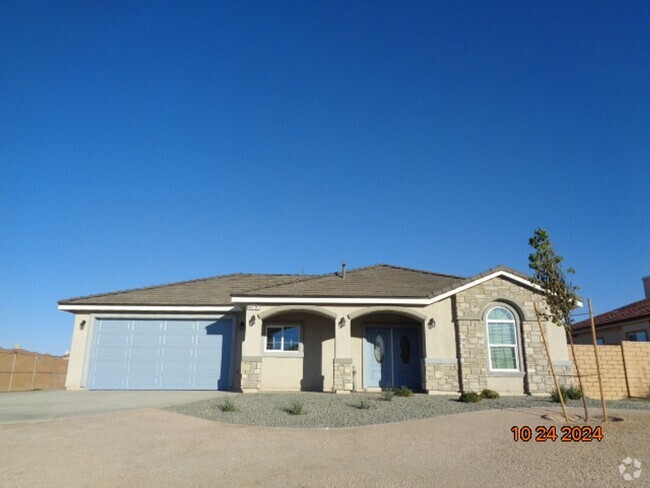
[392, 357]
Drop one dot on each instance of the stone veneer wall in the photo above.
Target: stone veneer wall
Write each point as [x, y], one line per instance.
[468, 307]
[343, 375]
[440, 376]
[251, 373]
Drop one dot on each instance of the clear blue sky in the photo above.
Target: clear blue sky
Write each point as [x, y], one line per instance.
[149, 142]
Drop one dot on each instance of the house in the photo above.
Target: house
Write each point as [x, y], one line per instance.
[363, 329]
[628, 323]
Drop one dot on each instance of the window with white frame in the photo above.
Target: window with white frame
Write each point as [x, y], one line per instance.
[502, 340]
[283, 338]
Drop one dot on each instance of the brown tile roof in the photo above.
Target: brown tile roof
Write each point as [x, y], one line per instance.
[379, 281]
[633, 311]
[207, 291]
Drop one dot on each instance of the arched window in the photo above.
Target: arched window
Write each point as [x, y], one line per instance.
[502, 340]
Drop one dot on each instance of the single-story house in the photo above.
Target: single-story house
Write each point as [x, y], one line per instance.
[627, 323]
[364, 329]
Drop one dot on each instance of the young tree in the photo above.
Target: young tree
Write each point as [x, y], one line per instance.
[560, 295]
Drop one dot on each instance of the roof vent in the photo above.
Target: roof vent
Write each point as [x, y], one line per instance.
[646, 286]
[343, 265]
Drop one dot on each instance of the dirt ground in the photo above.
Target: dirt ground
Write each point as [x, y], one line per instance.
[151, 447]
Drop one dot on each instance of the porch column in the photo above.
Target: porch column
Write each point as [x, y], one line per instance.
[251, 356]
[343, 369]
[439, 364]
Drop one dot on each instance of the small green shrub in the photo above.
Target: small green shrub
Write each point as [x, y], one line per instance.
[469, 397]
[489, 394]
[387, 395]
[403, 391]
[364, 403]
[568, 393]
[227, 406]
[296, 408]
[574, 393]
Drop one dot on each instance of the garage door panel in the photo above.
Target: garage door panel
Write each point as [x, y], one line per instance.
[142, 381]
[178, 341]
[107, 382]
[178, 353]
[161, 354]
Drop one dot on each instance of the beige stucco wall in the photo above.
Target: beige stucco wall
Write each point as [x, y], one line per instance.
[613, 335]
[79, 351]
[440, 340]
[309, 369]
[506, 385]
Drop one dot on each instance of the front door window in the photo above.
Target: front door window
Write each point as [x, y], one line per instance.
[405, 349]
[380, 348]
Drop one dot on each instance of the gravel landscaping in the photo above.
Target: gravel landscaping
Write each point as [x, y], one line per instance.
[323, 410]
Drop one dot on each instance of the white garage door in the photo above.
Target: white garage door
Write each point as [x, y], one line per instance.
[161, 354]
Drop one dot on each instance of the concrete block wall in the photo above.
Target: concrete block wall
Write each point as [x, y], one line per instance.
[26, 371]
[636, 356]
[625, 370]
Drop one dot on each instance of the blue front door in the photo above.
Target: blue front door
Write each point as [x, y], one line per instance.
[392, 357]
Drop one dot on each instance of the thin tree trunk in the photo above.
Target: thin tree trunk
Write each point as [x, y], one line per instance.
[600, 379]
[575, 363]
[550, 362]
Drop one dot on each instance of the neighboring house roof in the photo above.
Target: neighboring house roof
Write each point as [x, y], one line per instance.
[634, 311]
[206, 291]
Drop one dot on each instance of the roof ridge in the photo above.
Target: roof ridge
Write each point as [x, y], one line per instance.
[182, 282]
[306, 278]
[415, 270]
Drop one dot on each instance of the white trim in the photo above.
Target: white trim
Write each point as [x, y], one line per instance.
[148, 308]
[387, 301]
[282, 352]
[484, 279]
[334, 301]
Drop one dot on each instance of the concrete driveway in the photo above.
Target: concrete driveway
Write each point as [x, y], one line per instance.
[155, 448]
[49, 405]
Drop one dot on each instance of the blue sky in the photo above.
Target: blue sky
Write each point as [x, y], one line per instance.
[149, 142]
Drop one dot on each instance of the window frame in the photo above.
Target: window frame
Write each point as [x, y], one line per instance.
[635, 332]
[515, 346]
[282, 351]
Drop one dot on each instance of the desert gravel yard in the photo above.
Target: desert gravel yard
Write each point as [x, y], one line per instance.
[322, 410]
[157, 448]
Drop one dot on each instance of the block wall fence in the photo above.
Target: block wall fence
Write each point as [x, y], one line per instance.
[625, 370]
[26, 371]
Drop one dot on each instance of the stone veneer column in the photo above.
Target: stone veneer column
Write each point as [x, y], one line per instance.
[251, 373]
[440, 375]
[343, 376]
[343, 369]
[251, 361]
[539, 379]
[472, 348]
